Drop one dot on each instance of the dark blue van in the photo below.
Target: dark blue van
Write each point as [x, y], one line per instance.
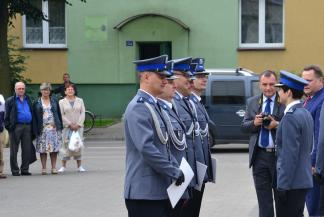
[225, 100]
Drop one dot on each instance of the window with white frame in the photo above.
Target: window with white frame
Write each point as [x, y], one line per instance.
[261, 23]
[46, 34]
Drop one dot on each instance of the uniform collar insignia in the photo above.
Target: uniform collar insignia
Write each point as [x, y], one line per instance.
[150, 100]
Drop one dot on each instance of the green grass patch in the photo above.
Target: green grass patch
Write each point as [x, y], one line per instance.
[101, 122]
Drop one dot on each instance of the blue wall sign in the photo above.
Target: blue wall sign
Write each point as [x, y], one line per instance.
[129, 43]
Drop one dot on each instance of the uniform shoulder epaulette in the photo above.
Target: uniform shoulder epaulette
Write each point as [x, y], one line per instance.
[291, 110]
[143, 99]
[194, 99]
[164, 106]
[177, 97]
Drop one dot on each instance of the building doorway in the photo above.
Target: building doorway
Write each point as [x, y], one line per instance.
[153, 49]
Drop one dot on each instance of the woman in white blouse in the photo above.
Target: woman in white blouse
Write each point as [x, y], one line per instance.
[73, 115]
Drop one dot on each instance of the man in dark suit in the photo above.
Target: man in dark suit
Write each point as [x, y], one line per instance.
[262, 116]
[319, 174]
[313, 103]
[294, 145]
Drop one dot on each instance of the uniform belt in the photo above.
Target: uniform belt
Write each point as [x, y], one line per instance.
[270, 150]
[23, 123]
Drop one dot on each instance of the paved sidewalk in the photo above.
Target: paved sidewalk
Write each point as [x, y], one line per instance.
[111, 133]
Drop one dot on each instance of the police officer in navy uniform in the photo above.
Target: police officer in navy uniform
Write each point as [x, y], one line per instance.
[182, 70]
[150, 168]
[199, 86]
[294, 146]
[201, 130]
[176, 129]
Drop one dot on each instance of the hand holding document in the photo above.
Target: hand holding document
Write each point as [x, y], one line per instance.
[175, 192]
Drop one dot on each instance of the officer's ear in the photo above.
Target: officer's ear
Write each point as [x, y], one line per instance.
[290, 94]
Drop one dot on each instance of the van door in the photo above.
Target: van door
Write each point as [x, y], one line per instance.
[227, 99]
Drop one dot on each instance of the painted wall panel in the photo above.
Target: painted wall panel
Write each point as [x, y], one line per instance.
[304, 40]
[213, 35]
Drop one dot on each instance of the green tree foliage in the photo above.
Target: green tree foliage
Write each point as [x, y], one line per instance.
[8, 11]
[17, 63]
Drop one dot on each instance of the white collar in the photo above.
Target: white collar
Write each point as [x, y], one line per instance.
[154, 98]
[272, 98]
[291, 105]
[195, 95]
[169, 104]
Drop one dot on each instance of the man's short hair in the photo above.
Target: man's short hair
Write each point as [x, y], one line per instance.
[66, 74]
[317, 70]
[268, 73]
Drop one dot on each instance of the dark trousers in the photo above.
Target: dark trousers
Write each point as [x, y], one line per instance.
[313, 198]
[177, 210]
[148, 208]
[321, 207]
[293, 205]
[20, 135]
[191, 208]
[264, 175]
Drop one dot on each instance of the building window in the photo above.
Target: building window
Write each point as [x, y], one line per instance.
[46, 34]
[261, 23]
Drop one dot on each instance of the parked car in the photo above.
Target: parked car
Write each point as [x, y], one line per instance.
[225, 100]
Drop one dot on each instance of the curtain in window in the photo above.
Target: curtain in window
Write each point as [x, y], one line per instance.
[56, 12]
[34, 27]
[273, 21]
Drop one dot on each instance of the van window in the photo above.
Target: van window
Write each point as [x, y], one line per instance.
[228, 92]
[255, 88]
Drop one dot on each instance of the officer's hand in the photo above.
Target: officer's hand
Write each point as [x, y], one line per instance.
[282, 196]
[258, 120]
[180, 179]
[273, 124]
[313, 170]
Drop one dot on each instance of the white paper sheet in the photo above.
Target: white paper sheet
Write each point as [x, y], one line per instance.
[201, 172]
[214, 165]
[175, 192]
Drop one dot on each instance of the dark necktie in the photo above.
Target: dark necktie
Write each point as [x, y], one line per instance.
[264, 131]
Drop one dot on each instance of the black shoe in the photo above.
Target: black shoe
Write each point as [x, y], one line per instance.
[16, 174]
[26, 174]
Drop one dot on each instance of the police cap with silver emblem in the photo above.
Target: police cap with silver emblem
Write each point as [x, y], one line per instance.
[183, 65]
[193, 67]
[200, 68]
[156, 64]
[170, 70]
[291, 80]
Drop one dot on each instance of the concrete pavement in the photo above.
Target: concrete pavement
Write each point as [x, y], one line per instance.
[114, 132]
